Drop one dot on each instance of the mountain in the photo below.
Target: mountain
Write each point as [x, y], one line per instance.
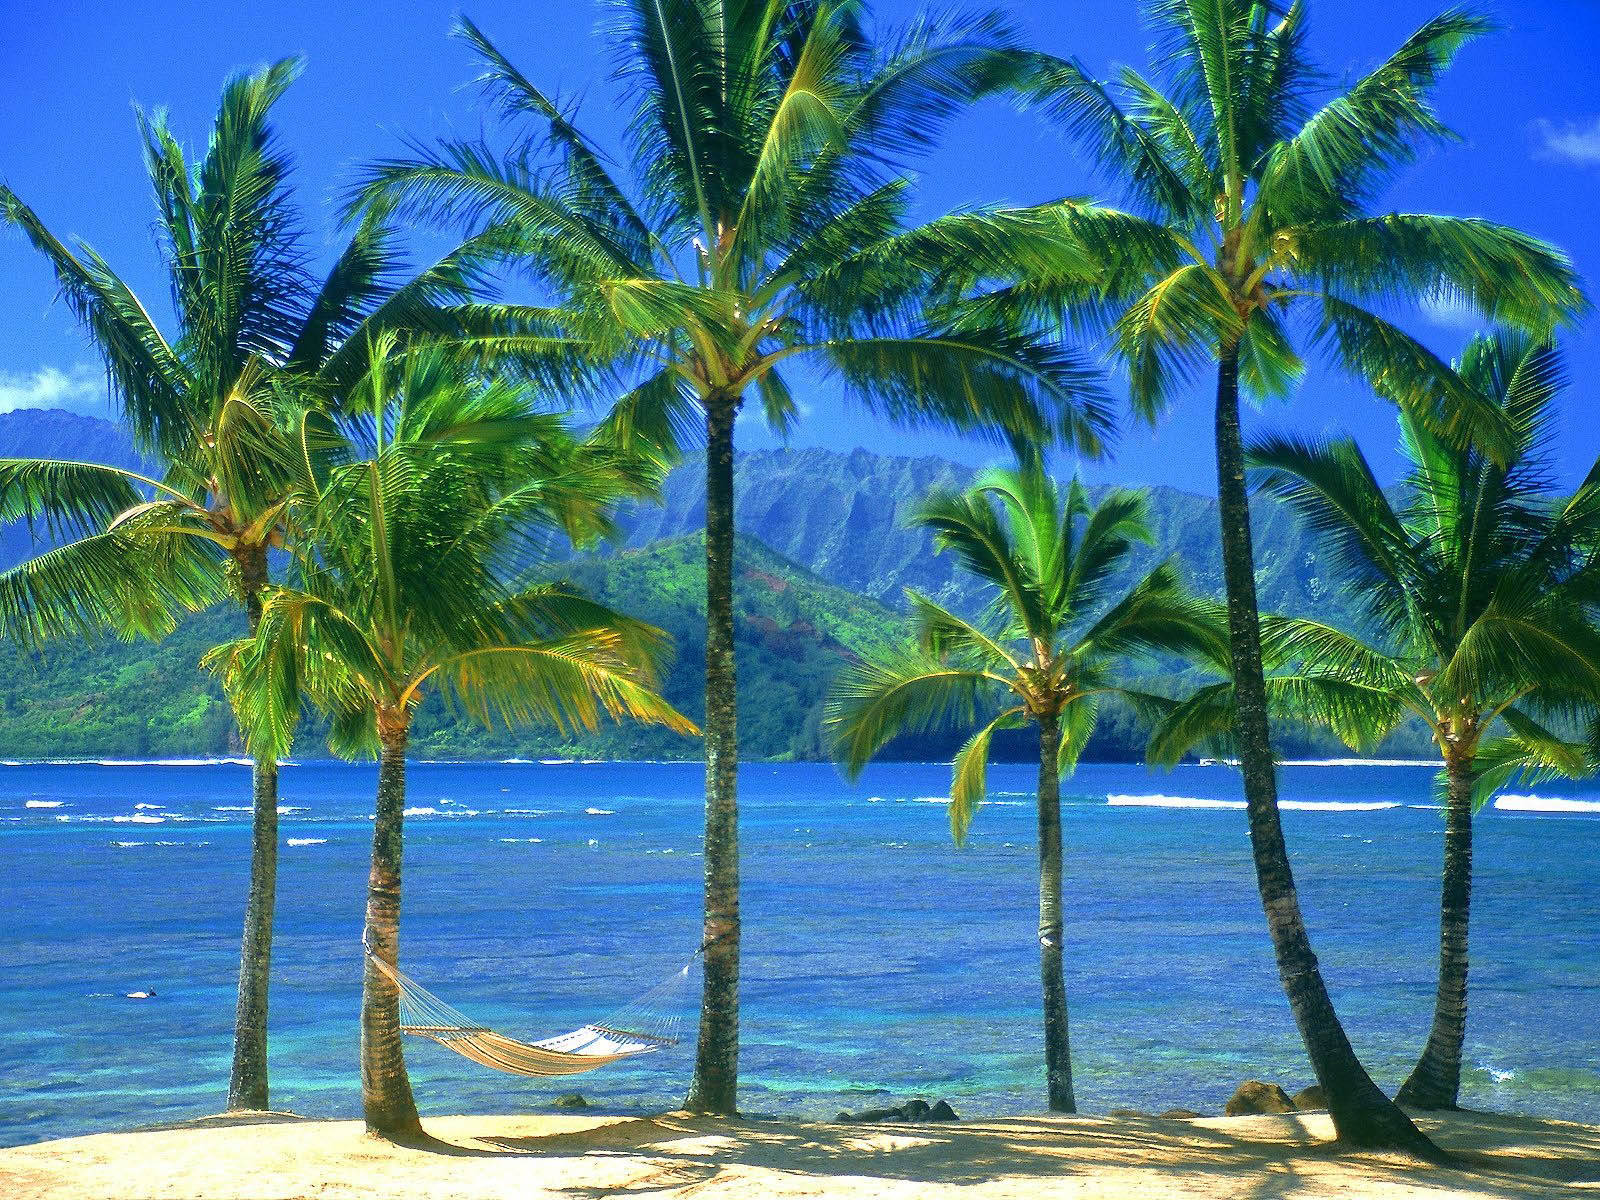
[824, 555]
[845, 517]
[56, 433]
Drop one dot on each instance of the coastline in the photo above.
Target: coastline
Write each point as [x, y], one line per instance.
[245, 761]
[271, 1156]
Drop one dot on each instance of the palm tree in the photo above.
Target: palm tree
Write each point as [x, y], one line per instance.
[1048, 656]
[218, 404]
[764, 225]
[1480, 593]
[1255, 193]
[405, 583]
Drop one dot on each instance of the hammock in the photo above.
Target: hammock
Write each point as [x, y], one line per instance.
[649, 1024]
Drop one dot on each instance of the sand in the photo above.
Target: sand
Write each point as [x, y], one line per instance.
[278, 1156]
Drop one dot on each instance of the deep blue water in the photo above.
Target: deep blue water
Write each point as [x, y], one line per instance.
[879, 960]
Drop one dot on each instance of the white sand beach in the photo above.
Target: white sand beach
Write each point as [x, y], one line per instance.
[280, 1156]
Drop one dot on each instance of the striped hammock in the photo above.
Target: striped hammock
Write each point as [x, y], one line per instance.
[649, 1024]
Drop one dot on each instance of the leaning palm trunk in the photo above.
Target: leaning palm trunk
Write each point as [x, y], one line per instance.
[714, 1087]
[1435, 1081]
[386, 1098]
[1057, 1045]
[1362, 1114]
[247, 1084]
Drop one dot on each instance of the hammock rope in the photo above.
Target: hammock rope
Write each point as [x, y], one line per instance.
[650, 1023]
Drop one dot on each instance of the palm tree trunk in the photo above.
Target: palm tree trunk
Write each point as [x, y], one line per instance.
[1435, 1082]
[714, 1088]
[247, 1083]
[1362, 1114]
[386, 1098]
[1057, 1044]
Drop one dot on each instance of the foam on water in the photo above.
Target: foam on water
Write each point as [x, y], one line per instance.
[1339, 805]
[126, 845]
[1160, 801]
[1545, 804]
[44, 804]
[306, 841]
[600, 812]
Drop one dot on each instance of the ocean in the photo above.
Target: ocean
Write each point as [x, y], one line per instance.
[880, 962]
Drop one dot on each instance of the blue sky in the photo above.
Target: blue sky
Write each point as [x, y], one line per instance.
[1527, 103]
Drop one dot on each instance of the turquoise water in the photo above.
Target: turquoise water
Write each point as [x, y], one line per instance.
[879, 960]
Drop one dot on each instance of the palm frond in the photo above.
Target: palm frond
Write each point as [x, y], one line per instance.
[1509, 276]
[1351, 146]
[125, 581]
[67, 498]
[969, 773]
[1168, 174]
[907, 691]
[980, 380]
[1528, 754]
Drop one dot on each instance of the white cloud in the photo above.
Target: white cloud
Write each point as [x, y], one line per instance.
[1572, 141]
[1450, 312]
[81, 388]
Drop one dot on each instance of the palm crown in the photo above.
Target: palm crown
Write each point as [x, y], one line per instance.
[406, 578]
[223, 404]
[1482, 586]
[768, 225]
[1258, 186]
[1052, 639]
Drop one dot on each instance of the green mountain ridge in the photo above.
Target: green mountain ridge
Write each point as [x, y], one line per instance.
[823, 558]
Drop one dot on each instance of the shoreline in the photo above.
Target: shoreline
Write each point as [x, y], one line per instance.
[277, 1156]
[245, 761]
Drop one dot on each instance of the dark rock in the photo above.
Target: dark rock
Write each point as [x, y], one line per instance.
[1252, 1098]
[1311, 1099]
[570, 1100]
[1180, 1114]
[911, 1110]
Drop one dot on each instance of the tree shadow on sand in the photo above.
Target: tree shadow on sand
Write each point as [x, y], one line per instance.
[1268, 1157]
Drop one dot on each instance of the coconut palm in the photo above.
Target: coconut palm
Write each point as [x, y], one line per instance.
[1060, 628]
[762, 226]
[406, 583]
[218, 404]
[1481, 598]
[1256, 188]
